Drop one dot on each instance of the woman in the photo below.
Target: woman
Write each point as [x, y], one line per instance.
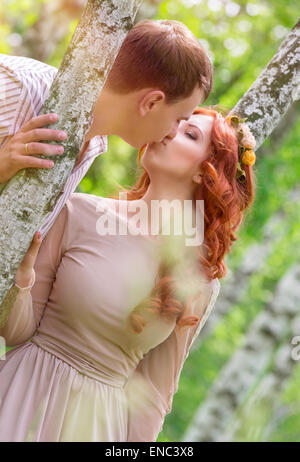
[112, 324]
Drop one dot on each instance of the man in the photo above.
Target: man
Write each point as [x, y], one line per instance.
[160, 75]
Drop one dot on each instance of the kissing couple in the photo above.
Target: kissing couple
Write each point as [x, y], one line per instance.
[103, 322]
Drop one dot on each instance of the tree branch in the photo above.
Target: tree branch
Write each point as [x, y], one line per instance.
[273, 92]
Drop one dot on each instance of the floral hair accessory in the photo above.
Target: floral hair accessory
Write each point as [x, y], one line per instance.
[246, 145]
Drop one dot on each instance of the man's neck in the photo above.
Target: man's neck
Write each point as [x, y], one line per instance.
[112, 113]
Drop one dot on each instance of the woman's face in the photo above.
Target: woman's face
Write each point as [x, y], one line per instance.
[179, 157]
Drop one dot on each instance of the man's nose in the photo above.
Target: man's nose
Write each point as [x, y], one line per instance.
[173, 132]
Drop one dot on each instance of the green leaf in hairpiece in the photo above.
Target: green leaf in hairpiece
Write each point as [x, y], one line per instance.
[241, 152]
[240, 135]
[234, 121]
[240, 174]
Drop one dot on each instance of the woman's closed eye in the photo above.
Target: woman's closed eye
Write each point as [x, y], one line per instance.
[191, 135]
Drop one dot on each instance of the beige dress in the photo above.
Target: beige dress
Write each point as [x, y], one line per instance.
[77, 373]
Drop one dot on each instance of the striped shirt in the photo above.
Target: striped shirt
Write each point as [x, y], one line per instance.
[24, 86]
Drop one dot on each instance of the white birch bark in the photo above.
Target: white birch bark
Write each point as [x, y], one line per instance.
[257, 418]
[268, 332]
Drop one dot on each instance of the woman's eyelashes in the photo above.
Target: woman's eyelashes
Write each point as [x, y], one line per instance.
[189, 134]
[194, 137]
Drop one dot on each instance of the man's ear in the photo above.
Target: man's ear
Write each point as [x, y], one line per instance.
[149, 100]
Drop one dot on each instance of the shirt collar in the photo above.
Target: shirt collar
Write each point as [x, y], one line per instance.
[97, 146]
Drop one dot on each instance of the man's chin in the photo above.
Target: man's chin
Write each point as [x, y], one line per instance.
[132, 143]
[139, 145]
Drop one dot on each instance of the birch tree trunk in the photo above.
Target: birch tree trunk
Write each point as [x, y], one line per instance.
[255, 420]
[27, 198]
[215, 419]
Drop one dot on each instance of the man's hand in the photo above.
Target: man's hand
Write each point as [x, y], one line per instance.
[13, 156]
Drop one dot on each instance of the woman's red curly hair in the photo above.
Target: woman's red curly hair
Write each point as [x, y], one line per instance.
[225, 201]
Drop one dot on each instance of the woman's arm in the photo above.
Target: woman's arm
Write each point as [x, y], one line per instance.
[20, 319]
[151, 387]
[31, 299]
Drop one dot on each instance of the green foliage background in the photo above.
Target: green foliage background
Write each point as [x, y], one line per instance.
[241, 37]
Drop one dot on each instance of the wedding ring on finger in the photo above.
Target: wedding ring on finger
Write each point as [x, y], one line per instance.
[26, 148]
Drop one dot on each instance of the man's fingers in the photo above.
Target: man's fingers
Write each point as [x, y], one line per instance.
[39, 121]
[35, 162]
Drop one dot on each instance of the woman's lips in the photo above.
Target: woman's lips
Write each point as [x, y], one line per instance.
[163, 142]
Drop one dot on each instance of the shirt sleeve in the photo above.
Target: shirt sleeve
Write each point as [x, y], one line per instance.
[24, 86]
[30, 302]
[151, 387]
[10, 95]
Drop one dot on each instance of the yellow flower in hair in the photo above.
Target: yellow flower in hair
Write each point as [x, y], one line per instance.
[248, 157]
[246, 144]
